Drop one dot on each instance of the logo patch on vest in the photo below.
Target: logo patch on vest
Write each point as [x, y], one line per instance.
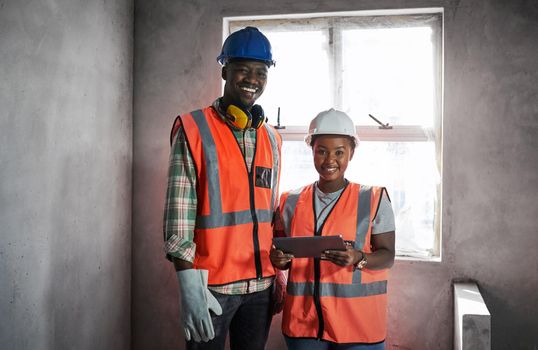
[263, 177]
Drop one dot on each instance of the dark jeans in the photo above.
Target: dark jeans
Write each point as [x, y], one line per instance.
[313, 344]
[246, 317]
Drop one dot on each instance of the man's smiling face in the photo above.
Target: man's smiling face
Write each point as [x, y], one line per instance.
[245, 82]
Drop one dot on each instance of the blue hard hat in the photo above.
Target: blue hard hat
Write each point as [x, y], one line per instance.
[247, 43]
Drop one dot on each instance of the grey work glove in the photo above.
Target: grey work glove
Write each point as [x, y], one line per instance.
[196, 301]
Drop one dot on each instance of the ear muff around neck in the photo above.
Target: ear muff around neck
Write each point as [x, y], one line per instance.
[258, 116]
[244, 119]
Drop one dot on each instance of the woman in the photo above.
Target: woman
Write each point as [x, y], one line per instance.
[338, 301]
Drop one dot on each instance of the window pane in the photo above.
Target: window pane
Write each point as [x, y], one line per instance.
[297, 165]
[407, 169]
[388, 72]
[299, 83]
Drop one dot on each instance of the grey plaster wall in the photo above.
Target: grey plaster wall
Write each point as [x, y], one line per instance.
[65, 174]
[490, 163]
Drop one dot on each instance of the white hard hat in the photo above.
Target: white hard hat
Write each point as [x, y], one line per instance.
[332, 122]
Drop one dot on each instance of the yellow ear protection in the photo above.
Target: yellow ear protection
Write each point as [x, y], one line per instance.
[244, 119]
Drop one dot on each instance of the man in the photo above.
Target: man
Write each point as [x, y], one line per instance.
[222, 193]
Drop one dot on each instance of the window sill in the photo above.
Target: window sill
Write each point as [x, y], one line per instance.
[434, 259]
[368, 133]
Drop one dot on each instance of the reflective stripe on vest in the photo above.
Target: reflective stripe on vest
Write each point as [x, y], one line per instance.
[273, 138]
[233, 224]
[289, 208]
[340, 288]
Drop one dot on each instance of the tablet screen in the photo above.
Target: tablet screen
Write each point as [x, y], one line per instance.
[308, 246]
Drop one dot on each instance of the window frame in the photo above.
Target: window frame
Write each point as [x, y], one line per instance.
[335, 22]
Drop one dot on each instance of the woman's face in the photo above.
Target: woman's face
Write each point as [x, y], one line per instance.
[332, 154]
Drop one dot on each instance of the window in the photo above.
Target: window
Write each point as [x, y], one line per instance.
[388, 65]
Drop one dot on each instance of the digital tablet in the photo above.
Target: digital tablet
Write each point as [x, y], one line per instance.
[309, 246]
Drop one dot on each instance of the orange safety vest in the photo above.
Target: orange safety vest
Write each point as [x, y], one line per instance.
[233, 229]
[324, 300]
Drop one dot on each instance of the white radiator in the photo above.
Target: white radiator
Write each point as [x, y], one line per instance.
[472, 320]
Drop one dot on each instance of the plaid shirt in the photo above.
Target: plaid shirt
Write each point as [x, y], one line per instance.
[181, 204]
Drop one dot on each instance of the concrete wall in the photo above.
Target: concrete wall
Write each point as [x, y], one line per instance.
[490, 163]
[65, 174]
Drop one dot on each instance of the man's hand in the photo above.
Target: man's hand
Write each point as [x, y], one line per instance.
[279, 291]
[195, 302]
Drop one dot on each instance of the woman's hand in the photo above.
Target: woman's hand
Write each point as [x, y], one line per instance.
[279, 259]
[347, 257]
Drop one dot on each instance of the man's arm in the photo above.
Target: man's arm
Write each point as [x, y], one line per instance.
[180, 205]
[196, 301]
[279, 259]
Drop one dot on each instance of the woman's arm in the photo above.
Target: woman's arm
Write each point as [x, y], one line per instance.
[382, 256]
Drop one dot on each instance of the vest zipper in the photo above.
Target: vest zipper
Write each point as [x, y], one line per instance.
[317, 276]
[317, 301]
[255, 237]
[317, 262]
